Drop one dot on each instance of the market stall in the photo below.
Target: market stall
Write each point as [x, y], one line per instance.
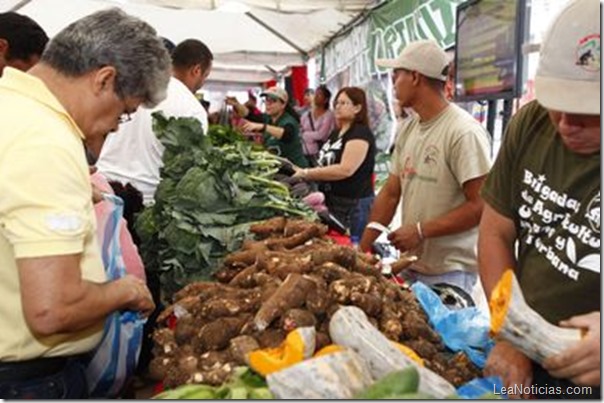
[252, 278]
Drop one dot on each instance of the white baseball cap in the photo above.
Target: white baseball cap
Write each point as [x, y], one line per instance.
[423, 56]
[276, 92]
[568, 75]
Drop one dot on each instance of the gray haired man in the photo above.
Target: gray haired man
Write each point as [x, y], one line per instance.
[54, 295]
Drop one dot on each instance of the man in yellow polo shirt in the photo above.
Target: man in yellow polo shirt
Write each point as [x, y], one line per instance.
[54, 295]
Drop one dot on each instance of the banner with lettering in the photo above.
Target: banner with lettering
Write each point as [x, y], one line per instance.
[399, 22]
[349, 60]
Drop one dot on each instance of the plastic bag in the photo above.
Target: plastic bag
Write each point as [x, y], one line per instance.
[485, 388]
[465, 329]
[132, 259]
[115, 358]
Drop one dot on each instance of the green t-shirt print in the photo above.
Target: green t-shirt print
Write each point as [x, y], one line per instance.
[553, 197]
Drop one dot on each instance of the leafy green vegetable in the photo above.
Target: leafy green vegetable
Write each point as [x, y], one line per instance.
[190, 392]
[244, 384]
[220, 135]
[394, 384]
[212, 189]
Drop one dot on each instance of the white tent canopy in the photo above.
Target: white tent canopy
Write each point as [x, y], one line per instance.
[254, 44]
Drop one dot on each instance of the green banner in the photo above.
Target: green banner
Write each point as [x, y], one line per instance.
[399, 22]
[350, 59]
[386, 32]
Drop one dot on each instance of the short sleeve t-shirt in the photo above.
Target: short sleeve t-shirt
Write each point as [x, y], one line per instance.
[359, 185]
[553, 197]
[433, 159]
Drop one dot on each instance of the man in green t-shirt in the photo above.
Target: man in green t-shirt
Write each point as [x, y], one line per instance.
[542, 207]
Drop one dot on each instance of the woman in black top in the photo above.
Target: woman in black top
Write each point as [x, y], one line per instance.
[346, 162]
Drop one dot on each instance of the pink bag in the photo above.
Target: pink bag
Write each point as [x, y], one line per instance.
[132, 260]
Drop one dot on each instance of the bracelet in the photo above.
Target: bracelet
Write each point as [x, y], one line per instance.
[418, 225]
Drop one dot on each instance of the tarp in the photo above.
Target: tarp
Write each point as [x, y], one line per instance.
[249, 47]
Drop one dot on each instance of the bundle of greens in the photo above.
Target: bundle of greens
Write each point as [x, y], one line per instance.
[220, 135]
[207, 199]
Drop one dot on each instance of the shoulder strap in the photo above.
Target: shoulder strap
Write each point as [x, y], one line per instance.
[312, 123]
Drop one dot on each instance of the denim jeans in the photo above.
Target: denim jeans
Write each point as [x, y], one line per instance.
[70, 383]
[360, 216]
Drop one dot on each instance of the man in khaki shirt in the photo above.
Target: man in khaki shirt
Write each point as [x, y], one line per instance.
[54, 296]
[439, 163]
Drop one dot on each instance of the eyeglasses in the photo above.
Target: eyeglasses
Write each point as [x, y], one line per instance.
[124, 117]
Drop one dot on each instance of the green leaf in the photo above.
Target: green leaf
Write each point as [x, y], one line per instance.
[179, 239]
[205, 248]
[213, 219]
[197, 190]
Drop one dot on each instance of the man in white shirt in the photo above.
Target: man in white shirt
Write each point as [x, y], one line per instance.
[133, 154]
[22, 41]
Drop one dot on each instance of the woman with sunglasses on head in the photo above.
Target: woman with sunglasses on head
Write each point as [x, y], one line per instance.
[346, 162]
[280, 125]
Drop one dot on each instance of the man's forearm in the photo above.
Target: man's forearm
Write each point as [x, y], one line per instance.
[495, 248]
[56, 299]
[78, 309]
[382, 211]
[460, 219]
[92, 303]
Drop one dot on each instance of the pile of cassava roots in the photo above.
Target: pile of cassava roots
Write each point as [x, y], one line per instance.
[291, 276]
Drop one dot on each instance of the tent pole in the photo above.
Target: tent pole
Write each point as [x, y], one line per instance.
[277, 34]
[19, 5]
[272, 70]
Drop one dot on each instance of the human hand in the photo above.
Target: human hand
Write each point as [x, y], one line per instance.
[581, 362]
[231, 101]
[241, 127]
[138, 295]
[252, 126]
[405, 238]
[299, 172]
[511, 365]
[97, 194]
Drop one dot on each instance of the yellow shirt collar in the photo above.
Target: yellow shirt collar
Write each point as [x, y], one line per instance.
[32, 87]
